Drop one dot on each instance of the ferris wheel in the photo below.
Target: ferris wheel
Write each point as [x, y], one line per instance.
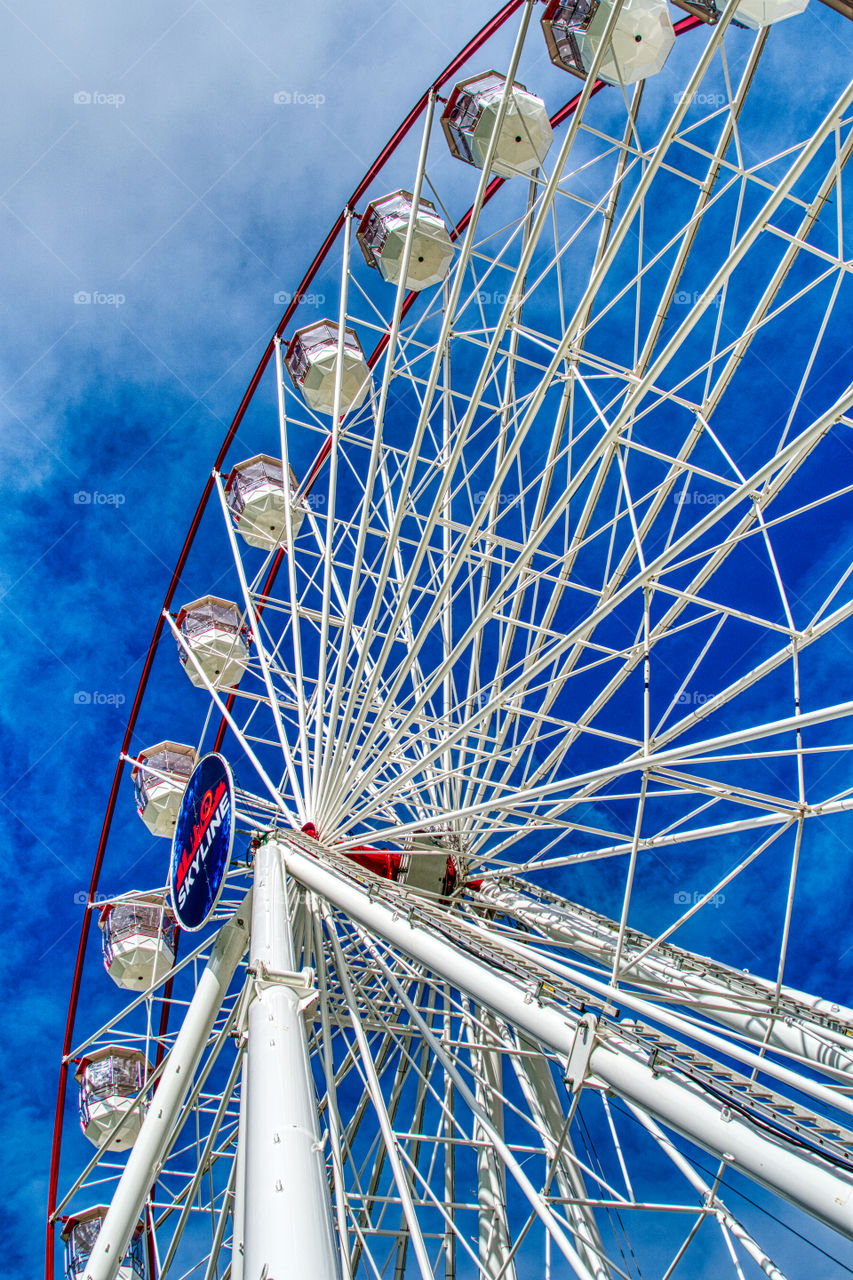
[521, 661]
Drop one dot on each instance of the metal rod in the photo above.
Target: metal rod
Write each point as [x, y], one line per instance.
[795, 1173]
[156, 1133]
[288, 1220]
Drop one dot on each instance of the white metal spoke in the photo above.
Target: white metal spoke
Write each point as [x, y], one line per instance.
[544, 728]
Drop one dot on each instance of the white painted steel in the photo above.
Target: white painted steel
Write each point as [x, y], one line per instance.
[157, 1129]
[462, 660]
[537, 1084]
[806, 1180]
[710, 1197]
[720, 996]
[494, 1235]
[287, 1215]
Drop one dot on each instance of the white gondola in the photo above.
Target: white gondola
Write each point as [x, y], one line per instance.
[255, 494]
[211, 630]
[469, 119]
[80, 1233]
[762, 13]
[160, 786]
[641, 43]
[138, 942]
[110, 1079]
[312, 361]
[382, 237]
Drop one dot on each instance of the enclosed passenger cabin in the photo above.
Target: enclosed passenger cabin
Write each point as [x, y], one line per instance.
[138, 942]
[382, 236]
[255, 494]
[211, 630]
[432, 861]
[110, 1079]
[469, 120]
[80, 1233]
[160, 780]
[762, 13]
[641, 42]
[312, 362]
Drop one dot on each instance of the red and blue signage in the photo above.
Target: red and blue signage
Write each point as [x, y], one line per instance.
[201, 846]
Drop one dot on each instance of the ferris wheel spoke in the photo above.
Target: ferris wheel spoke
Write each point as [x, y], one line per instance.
[260, 652]
[290, 561]
[695, 752]
[322, 648]
[782, 464]
[379, 416]
[531, 611]
[203, 1167]
[384, 1120]
[435, 371]
[438, 503]
[663, 628]
[542, 1211]
[232, 723]
[785, 474]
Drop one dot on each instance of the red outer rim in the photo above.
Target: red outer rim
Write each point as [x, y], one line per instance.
[482, 36]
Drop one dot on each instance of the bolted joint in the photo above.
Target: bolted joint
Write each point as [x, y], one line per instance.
[301, 983]
[577, 1067]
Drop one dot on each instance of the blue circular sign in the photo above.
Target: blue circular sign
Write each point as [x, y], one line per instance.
[201, 846]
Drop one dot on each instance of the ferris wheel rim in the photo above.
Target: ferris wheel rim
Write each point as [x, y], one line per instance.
[480, 37]
[687, 23]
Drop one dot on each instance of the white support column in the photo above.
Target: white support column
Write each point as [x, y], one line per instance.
[537, 1085]
[719, 993]
[288, 1220]
[494, 1251]
[799, 1175]
[157, 1130]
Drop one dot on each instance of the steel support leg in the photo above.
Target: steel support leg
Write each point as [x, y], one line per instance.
[238, 1232]
[494, 1246]
[801, 1176]
[288, 1217]
[537, 1085]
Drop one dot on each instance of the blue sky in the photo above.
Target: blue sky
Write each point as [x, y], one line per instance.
[193, 201]
[148, 168]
